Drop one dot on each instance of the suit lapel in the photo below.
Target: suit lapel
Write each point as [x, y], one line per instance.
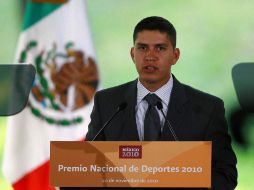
[130, 132]
[176, 110]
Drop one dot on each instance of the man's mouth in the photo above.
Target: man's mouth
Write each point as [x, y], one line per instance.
[150, 68]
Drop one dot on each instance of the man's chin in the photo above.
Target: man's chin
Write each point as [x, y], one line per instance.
[148, 80]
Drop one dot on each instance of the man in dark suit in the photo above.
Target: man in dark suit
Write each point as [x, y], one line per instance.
[193, 115]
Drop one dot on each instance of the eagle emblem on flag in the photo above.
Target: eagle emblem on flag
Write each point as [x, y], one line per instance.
[65, 81]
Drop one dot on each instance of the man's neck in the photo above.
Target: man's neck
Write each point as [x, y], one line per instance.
[153, 86]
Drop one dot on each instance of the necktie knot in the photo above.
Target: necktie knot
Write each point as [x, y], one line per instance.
[152, 99]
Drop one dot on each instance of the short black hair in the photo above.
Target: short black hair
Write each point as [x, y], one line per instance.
[156, 23]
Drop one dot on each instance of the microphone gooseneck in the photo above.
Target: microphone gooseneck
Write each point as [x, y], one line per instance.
[120, 107]
[160, 107]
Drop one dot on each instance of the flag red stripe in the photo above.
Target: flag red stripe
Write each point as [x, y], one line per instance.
[37, 179]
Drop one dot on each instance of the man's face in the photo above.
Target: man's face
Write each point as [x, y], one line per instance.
[153, 55]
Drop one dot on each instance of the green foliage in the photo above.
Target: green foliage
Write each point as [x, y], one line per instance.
[3, 184]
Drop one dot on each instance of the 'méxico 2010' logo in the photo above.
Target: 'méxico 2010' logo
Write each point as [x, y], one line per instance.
[130, 151]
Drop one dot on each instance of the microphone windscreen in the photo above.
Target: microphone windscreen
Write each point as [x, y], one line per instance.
[159, 105]
[122, 106]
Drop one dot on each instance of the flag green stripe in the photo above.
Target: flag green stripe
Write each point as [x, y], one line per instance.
[36, 11]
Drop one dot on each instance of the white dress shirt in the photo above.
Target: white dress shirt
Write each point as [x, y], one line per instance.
[163, 93]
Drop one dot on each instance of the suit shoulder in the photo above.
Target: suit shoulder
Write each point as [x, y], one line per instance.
[116, 89]
[200, 95]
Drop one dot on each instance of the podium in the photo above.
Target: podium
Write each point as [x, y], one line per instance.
[130, 164]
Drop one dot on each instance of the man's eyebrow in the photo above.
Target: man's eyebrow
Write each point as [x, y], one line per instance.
[141, 44]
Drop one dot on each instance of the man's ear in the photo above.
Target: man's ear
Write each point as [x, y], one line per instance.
[132, 54]
[176, 55]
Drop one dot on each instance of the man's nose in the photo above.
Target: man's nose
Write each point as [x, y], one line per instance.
[151, 55]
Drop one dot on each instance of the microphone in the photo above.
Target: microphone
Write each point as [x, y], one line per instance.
[160, 106]
[121, 107]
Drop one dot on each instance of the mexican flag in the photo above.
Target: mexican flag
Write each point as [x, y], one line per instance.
[56, 39]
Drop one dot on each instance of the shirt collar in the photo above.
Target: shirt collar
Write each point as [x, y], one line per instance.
[163, 92]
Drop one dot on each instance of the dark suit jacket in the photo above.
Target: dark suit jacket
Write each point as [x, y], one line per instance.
[194, 115]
